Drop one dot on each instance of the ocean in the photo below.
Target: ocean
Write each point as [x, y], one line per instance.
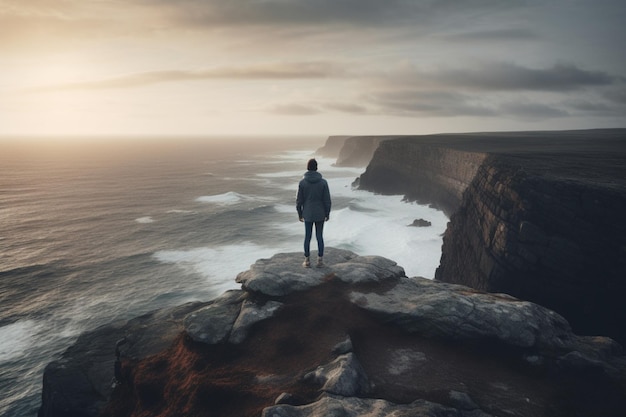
[94, 230]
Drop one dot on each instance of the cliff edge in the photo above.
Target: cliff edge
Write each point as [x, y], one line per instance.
[538, 215]
[356, 337]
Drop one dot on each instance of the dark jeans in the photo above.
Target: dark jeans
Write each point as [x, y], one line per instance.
[308, 233]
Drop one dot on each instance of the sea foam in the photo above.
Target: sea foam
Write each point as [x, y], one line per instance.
[16, 337]
[228, 198]
[145, 220]
[218, 265]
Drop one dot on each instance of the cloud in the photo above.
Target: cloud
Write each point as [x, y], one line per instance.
[347, 108]
[319, 12]
[294, 109]
[428, 103]
[617, 95]
[78, 19]
[284, 71]
[452, 104]
[499, 35]
[502, 76]
[531, 110]
[506, 76]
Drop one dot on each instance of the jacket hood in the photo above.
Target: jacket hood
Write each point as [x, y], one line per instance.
[312, 176]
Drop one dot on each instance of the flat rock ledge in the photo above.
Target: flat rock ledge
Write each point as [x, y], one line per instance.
[353, 338]
[283, 274]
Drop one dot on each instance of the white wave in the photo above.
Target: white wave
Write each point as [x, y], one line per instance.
[219, 265]
[16, 337]
[232, 198]
[145, 220]
[287, 209]
[177, 211]
[294, 155]
[224, 199]
[283, 174]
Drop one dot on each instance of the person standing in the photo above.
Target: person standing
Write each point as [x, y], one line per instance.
[313, 206]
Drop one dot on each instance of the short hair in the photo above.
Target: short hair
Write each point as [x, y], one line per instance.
[312, 165]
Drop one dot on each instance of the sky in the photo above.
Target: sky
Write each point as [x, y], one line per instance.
[309, 67]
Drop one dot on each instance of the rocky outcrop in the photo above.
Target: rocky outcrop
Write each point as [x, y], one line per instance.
[356, 337]
[420, 223]
[538, 215]
[82, 381]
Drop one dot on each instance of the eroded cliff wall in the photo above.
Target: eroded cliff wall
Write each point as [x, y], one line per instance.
[332, 146]
[422, 170]
[560, 243]
[351, 151]
[357, 151]
[538, 215]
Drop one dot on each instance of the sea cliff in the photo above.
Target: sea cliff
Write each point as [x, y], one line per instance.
[352, 151]
[538, 215]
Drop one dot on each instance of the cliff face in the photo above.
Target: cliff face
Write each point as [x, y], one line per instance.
[560, 243]
[423, 171]
[332, 147]
[536, 215]
[357, 151]
[351, 151]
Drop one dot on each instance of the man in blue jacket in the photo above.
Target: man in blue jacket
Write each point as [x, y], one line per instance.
[313, 205]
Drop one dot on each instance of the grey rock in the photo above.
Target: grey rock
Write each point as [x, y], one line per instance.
[462, 401]
[333, 406]
[344, 376]
[405, 361]
[366, 269]
[79, 383]
[213, 324]
[576, 361]
[250, 314]
[343, 347]
[420, 223]
[283, 273]
[457, 312]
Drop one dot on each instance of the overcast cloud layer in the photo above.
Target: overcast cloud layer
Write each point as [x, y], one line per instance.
[310, 66]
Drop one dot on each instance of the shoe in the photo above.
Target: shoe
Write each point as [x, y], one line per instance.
[307, 262]
[320, 262]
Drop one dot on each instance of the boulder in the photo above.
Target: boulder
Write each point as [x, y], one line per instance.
[344, 376]
[283, 274]
[250, 314]
[456, 312]
[214, 323]
[420, 223]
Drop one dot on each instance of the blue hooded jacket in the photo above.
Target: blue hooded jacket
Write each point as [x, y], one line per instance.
[313, 199]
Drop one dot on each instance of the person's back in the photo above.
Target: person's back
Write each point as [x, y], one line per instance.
[313, 205]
